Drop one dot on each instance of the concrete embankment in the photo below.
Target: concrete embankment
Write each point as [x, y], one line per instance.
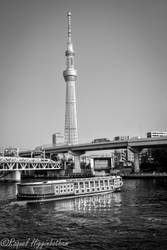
[144, 175]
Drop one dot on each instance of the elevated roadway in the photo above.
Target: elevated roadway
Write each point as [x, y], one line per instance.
[139, 144]
[134, 145]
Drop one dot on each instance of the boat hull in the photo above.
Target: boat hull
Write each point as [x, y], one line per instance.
[54, 198]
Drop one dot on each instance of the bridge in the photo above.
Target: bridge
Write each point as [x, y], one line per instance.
[13, 165]
[111, 145]
[135, 145]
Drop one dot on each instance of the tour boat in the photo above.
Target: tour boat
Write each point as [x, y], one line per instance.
[67, 188]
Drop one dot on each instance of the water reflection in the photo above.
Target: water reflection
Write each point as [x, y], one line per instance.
[96, 203]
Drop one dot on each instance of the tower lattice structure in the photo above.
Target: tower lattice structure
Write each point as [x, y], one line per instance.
[70, 76]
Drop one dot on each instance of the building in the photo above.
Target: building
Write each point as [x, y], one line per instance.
[70, 76]
[57, 139]
[130, 156]
[11, 151]
[148, 153]
[156, 134]
[121, 138]
[123, 157]
[120, 157]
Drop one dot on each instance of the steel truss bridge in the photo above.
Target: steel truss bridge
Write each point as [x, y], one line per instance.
[22, 164]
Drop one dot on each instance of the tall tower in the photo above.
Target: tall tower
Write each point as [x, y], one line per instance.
[70, 76]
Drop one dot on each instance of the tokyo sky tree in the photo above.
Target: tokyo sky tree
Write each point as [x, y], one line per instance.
[70, 76]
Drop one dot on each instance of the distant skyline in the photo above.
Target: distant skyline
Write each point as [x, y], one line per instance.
[120, 56]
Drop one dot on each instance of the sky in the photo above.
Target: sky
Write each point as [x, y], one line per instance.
[120, 56]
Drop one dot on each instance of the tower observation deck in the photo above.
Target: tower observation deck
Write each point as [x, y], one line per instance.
[70, 76]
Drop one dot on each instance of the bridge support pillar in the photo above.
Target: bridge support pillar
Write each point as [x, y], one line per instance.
[136, 162]
[14, 176]
[77, 165]
[136, 152]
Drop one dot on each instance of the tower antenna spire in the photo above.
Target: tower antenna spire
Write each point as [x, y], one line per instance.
[69, 26]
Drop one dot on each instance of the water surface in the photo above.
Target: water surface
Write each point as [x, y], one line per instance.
[135, 218]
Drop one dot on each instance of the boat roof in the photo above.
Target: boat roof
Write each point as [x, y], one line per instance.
[43, 182]
[67, 180]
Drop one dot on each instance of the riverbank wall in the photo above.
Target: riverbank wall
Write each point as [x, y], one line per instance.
[144, 175]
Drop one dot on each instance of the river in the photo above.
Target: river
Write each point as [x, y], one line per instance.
[135, 218]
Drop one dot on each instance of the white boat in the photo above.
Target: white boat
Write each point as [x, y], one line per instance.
[67, 188]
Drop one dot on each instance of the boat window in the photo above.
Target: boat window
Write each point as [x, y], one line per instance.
[91, 183]
[96, 183]
[76, 184]
[86, 184]
[111, 182]
[81, 185]
[106, 182]
[101, 183]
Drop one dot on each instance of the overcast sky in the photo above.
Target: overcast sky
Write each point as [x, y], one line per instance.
[121, 59]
